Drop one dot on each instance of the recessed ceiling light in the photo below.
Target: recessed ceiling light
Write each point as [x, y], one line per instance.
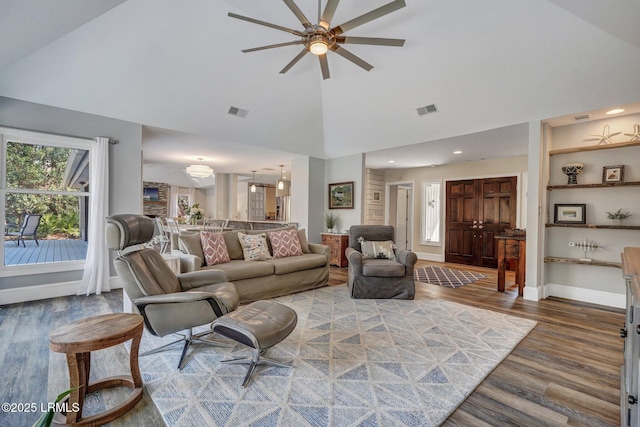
[391, 161]
[615, 111]
[457, 152]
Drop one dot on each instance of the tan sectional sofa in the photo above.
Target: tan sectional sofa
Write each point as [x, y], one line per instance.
[256, 280]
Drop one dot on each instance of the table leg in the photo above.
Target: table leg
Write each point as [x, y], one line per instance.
[521, 267]
[79, 370]
[501, 264]
[133, 359]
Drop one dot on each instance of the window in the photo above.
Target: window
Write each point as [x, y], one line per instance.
[47, 176]
[431, 202]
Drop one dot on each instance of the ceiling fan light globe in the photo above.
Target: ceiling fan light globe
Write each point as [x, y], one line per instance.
[318, 47]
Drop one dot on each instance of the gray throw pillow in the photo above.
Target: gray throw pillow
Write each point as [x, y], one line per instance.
[190, 243]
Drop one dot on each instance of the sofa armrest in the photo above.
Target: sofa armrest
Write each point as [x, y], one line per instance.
[177, 297]
[196, 279]
[355, 260]
[317, 248]
[407, 258]
[188, 262]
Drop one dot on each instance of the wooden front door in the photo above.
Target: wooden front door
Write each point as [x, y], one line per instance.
[477, 210]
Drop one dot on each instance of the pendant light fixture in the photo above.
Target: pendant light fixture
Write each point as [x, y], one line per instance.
[253, 182]
[281, 182]
[199, 170]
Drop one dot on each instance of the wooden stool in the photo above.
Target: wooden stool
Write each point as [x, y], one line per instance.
[77, 340]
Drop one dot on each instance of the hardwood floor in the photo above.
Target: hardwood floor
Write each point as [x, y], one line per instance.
[565, 372]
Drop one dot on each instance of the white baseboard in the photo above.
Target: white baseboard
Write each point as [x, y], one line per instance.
[38, 292]
[532, 293]
[430, 257]
[585, 295]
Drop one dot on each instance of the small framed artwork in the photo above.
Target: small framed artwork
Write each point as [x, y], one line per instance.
[150, 194]
[570, 213]
[612, 174]
[341, 195]
[376, 197]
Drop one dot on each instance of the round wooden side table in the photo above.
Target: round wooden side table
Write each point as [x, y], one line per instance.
[77, 340]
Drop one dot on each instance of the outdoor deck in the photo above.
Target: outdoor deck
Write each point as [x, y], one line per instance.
[47, 251]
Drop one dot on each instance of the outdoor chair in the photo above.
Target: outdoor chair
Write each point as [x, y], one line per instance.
[29, 228]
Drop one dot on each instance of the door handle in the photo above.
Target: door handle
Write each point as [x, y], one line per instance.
[474, 226]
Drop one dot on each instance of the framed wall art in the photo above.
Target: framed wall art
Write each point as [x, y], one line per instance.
[341, 195]
[570, 213]
[612, 174]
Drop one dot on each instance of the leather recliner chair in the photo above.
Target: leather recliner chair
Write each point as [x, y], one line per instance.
[168, 303]
[375, 277]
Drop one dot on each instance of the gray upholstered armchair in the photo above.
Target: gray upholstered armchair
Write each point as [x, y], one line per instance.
[374, 276]
[168, 303]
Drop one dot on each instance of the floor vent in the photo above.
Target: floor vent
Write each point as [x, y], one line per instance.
[581, 117]
[427, 109]
[235, 111]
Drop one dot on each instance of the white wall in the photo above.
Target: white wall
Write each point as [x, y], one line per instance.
[345, 169]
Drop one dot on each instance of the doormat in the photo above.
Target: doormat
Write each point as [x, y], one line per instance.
[443, 276]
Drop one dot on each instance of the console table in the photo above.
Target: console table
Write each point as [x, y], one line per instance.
[337, 245]
[512, 248]
[77, 340]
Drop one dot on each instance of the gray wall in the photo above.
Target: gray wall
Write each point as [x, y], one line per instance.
[125, 161]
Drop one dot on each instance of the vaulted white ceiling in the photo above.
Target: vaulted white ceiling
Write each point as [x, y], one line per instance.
[177, 67]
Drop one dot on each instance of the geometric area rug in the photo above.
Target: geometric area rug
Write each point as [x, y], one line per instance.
[443, 276]
[356, 363]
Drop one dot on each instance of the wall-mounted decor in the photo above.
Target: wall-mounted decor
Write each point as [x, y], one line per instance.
[376, 197]
[570, 213]
[341, 195]
[150, 194]
[612, 174]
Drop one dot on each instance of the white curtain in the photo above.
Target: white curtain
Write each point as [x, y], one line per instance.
[173, 201]
[95, 278]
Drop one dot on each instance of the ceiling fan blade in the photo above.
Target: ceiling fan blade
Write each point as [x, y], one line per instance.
[266, 24]
[296, 11]
[271, 46]
[377, 41]
[324, 66]
[294, 60]
[351, 57]
[327, 14]
[369, 16]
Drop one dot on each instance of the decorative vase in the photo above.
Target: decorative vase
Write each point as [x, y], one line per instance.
[572, 170]
[194, 221]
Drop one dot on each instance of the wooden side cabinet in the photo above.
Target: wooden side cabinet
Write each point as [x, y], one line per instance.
[337, 245]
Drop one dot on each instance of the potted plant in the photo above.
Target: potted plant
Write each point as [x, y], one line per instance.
[331, 221]
[618, 216]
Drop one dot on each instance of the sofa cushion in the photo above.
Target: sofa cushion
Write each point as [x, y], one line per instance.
[233, 244]
[304, 243]
[378, 250]
[239, 270]
[284, 243]
[214, 248]
[382, 268]
[189, 243]
[297, 263]
[254, 247]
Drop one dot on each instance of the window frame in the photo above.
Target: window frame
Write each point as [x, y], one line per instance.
[37, 138]
[423, 212]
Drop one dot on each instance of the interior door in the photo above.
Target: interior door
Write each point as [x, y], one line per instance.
[402, 218]
[477, 210]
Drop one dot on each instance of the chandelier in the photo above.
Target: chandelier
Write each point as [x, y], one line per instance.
[199, 170]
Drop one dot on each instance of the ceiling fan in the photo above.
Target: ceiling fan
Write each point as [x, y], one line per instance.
[319, 39]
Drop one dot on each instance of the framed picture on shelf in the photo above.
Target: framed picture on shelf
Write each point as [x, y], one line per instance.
[612, 174]
[569, 213]
[341, 195]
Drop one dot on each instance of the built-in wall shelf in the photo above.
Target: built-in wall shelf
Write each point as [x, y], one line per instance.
[595, 147]
[610, 184]
[562, 260]
[603, 226]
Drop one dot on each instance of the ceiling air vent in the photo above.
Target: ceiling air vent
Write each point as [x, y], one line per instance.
[235, 111]
[427, 109]
[581, 117]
